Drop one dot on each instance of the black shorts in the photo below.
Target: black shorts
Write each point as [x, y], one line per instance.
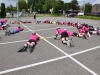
[90, 32]
[32, 41]
[64, 34]
[86, 31]
[75, 34]
[34, 17]
[92, 29]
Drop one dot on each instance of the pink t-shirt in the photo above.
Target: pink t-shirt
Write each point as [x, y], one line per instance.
[60, 23]
[0, 27]
[73, 24]
[47, 20]
[15, 22]
[3, 20]
[83, 27]
[60, 31]
[66, 22]
[81, 31]
[34, 37]
[70, 33]
[86, 28]
[80, 25]
[19, 29]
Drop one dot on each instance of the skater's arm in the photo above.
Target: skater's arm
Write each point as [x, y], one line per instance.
[56, 35]
[38, 38]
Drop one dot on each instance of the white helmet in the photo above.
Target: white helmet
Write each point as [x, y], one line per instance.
[58, 27]
[33, 32]
[65, 29]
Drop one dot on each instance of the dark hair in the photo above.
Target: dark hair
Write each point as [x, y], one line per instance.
[19, 27]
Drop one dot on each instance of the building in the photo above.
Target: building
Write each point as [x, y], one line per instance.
[95, 9]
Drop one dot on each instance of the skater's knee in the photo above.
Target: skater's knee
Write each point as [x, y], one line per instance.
[28, 43]
[25, 45]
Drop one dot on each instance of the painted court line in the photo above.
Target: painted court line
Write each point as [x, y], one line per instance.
[42, 29]
[86, 68]
[21, 32]
[31, 65]
[37, 25]
[66, 55]
[13, 42]
[85, 51]
[51, 28]
[20, 41]
[43, 62]
[80, 52]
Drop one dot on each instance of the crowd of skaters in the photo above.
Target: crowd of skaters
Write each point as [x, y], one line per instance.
[84, 31]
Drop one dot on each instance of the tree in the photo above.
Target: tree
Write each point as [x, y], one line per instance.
[14, 9]
[58, 5]
[44, 8]
[49, 4]
[8, 9]
[74, 5]
[22, 4]
[29, 3]
[87, 8]
[38, 7]
[3, 11]
[33, 3]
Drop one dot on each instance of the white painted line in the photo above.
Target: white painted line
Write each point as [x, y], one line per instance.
[41, 29]
[37, 25]
[51, 60]
[51, 28]
[20, 41]
[2, 33]
[21, 32]
[13, 42]
[41, 25]
[49, 37]
[89, 70]
[86, 68]
[84, 51]
[48, 41]
[31, 65]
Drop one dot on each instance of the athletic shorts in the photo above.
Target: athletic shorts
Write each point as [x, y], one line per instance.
[75, 34]
[34, 17]
[86, 31]
[90, 32]
[64, 34]
[30, 41]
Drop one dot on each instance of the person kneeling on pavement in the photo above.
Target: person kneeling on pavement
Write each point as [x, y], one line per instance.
[64, 36]
[31, 43]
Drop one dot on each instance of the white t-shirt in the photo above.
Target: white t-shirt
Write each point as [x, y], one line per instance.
[34, 13]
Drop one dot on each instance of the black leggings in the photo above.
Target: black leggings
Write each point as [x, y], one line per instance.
[92, 29]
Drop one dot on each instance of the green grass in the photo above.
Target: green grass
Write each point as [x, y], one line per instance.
[88, 17]
[41, 15]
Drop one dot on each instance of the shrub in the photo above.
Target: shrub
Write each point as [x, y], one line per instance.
[3, 11]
